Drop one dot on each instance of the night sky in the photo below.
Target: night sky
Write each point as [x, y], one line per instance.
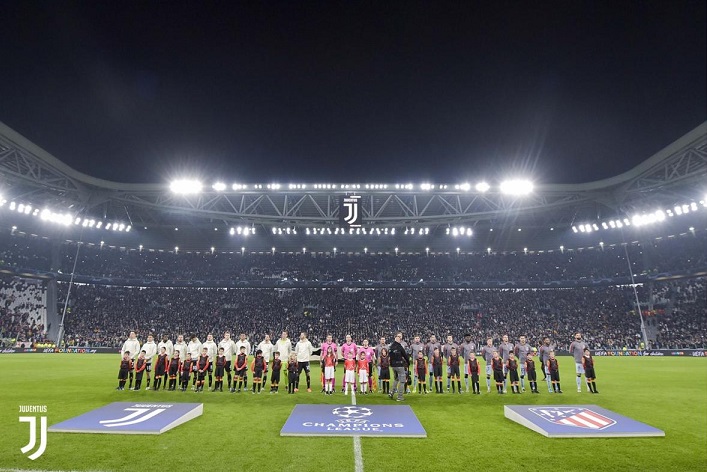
[563, 92]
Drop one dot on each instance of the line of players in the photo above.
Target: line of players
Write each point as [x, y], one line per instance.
[180, 361]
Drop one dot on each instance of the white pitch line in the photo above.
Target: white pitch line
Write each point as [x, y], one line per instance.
[358, 454]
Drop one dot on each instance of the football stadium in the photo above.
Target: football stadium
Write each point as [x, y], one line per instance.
[88, 264]
[283, 320]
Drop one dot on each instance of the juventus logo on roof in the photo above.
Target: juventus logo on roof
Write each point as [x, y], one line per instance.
[350, 214]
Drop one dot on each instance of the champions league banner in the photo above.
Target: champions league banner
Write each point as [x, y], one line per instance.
[350, 420]
[131, 418]
[578, 421]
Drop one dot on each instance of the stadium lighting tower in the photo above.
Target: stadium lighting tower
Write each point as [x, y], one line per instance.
[185, 186]
[219, 186]
[516, 187]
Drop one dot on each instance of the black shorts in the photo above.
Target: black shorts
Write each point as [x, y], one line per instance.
[275, 377]
[437, 370]
[474, 377]
[589, 373]
[513, 374]
[421, 374]
[138, 375]
[292, 377]
[454, 371]
[555, 376]
[219, 371]
[160, 370]
[241, 372]
[258, 374]
[184, 376]
[122, 374]
[173, 371]
[532, 375]
[228, 366]
[302, 366]
[385, 373]
[498, 376]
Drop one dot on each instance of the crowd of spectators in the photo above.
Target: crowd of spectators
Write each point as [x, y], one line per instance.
[679, 253]
[23, 312]
[103, 315]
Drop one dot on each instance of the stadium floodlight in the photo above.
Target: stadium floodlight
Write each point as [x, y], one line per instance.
[140, 247]
[574, 229]
[525, 250]
[12, 206]
[212, 249]
[304, 250]
[185, 186]
[99, 224]
[102, 243]
[219, 186]
[108, 226]
[516, 187]
[396, 251]
[458, 249]
[365, 250]
[273, 250]
[601, 243]
[692, 229]
[693, 206]
[604, 225]
[562, 249]
[242, 250]
[176, 249]
[466, 186]
[427, 250]
[482, 187]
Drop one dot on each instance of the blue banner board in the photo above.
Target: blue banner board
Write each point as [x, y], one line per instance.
[351, 420]
[577, 421]
[131, 418]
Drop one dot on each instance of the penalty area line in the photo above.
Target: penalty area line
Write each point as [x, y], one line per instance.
[358, 455]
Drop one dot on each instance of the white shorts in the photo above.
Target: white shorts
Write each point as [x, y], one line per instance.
[488, 369]
[579, 368]
[522, 369]
[329, 372]
[363, 376]
[350, 376]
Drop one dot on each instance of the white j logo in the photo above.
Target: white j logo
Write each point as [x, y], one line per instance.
[32, 420]
[132, 418]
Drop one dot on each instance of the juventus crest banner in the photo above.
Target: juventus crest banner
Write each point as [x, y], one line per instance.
[350, 214]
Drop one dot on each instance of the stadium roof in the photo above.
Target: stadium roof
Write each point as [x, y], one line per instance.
[422, 214]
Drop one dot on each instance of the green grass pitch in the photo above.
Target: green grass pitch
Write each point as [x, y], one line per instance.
[465, 432]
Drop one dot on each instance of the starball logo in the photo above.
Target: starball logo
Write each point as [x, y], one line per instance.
[32, 420]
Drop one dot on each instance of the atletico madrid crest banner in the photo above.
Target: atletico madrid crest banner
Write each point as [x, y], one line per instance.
[577, 421]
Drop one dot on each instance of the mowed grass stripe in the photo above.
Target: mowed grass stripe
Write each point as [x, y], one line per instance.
[463, 430]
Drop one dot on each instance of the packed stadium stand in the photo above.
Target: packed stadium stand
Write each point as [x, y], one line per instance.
[431, 258]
